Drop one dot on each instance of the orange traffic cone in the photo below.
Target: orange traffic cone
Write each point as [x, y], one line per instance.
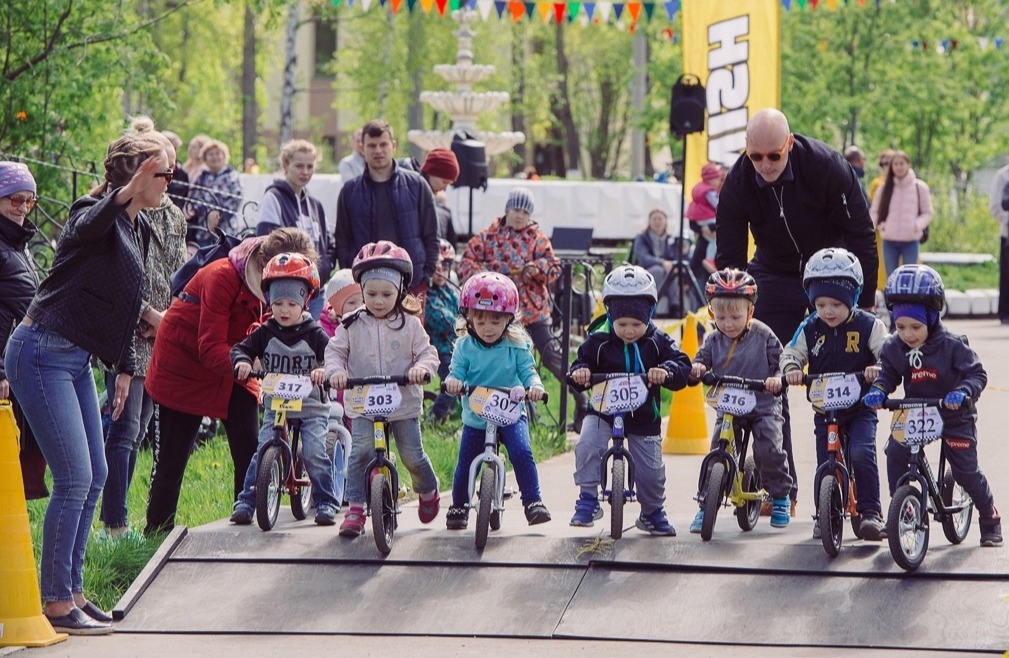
[687, 432]
[21, 620]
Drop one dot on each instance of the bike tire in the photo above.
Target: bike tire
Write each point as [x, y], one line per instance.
[269, 480]
[955, 526]
[383, 513]
[488, 475]
[830, 513]
[748, 515]
[907, 528]
[714, 491]
[301, 499]
[617, 499]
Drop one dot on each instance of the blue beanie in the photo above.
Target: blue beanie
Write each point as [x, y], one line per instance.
[637, 308]
[843, 290]
[914, 311]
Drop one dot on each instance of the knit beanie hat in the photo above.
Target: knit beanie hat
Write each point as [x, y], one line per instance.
[636, 308]
[520, 198]
[340, 288]
[710, 172]
[383, 274]
[914, 311]
[843, 290]
[441, 163]
[295, 290]
[15, 177]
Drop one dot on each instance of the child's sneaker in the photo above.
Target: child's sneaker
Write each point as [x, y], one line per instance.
[457, 518]
[536, 513]
[587, 511]
[428, 509]
[780, 512]
[655, 523]
[871, 527]
[353, 523]
[991, 530]
[325, 514]
[242, 515]
[695, 525]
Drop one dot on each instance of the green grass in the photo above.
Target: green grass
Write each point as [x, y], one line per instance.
[110, 567]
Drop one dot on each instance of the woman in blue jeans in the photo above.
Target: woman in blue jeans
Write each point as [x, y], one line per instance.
[88, 305]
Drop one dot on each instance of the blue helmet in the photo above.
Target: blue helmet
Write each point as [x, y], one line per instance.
[915, 284]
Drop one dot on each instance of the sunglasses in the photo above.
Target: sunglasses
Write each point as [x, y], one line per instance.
[167, 175]
[27, 201]
[884, 163]
[773, 156]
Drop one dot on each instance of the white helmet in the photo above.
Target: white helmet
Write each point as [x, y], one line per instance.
[833, 269]
[630, 281]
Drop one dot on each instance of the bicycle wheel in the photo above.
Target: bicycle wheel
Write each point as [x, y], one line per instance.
[269, 480]
[301, 500]
[714, 491]
[907, 528]
[486, 505]
[383, 512]
[617, 499]
[830, 512]
[955, 525]
[748, 515]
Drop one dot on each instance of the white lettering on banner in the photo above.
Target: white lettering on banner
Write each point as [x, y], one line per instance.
[728, 88]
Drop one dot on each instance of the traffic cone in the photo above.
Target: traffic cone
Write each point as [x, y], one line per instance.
[21, 620]
[687, 432]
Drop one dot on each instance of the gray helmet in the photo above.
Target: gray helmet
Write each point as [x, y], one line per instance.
[630, 281]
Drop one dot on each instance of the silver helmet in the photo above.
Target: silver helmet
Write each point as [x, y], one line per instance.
[630, 281]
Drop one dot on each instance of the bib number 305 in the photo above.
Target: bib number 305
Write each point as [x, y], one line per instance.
[619, 394]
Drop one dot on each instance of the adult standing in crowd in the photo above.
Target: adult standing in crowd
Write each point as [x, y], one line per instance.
[388, 202]
[288, 203]
[901, 211]
[166, 254]
[515, 246]
[885, 157]
[856, 158]
[193, 165]
[998, 206]
[88, 305]
[796, 195]
[190, 375]
[18, 283]
[441, 169]
[352, 166]
[178, 189]
[216, 192]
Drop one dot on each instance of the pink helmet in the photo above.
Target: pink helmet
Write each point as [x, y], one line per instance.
[490, 291]
[383, 254]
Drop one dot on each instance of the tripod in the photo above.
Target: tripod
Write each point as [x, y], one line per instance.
[681, 272]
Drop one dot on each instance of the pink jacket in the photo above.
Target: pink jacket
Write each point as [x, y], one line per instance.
[910, 209]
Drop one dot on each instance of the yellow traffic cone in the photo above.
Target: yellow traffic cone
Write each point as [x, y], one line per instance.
[687, 432]
[21, 620]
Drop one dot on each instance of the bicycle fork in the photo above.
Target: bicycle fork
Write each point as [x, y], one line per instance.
[382, 463]
[835, 464]
[489, 456]
[617, 451]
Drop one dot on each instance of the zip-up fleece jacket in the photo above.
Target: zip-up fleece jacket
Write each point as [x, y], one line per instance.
[296, 350]
[604, 352]
[282, 207]
[943, 363]
[94, 290]
[364, 346]
[754, 355]
[821, 205]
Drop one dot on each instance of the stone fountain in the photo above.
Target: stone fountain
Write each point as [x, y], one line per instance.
[464, 105]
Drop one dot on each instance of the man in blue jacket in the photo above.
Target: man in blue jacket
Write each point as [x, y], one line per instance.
[387, 202]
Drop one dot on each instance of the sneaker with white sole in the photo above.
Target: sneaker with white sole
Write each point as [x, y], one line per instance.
[697, 523]
[587, 511]
[780, 512]
[655, 523]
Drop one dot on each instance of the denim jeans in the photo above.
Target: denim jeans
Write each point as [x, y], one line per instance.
[515, 439]
[52, 379]
[894, 250]
[408, 445]
[121, 447]
[860, 423]
[317, 461]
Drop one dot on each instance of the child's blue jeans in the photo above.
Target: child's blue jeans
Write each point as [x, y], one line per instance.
[860, 423]
[515, 439]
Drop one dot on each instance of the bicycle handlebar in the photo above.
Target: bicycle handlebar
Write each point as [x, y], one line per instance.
[260, 374]
[467, 389]
[398, 380]
[807, 378]
[916, 403]
[711, 379]
[598, 377]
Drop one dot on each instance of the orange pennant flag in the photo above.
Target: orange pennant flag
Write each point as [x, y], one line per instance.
[426, 5]
[395, 5]
[634, 9]
[517, 10]
[545, 11]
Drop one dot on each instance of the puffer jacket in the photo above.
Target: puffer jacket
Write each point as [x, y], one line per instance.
[18, 278]
[910, 209]
[364, 346]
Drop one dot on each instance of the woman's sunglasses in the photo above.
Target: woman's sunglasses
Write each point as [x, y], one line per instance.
[26, 200]
[167, 175]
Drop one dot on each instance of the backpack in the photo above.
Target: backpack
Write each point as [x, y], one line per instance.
[203, 256]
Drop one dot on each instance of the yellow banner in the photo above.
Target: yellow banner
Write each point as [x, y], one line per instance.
[733, 47]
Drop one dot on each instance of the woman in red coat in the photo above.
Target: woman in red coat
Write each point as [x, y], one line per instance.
[190, 374]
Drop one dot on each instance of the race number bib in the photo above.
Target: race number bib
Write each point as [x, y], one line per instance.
[732, 400]
[834, 392]
[495, 406]
[374, 399]
[287, 387]
[619, 394]
[916, 426]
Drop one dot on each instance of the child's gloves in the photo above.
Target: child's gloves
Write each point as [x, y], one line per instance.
[517, 394]
[874, 398]
[955, 397]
